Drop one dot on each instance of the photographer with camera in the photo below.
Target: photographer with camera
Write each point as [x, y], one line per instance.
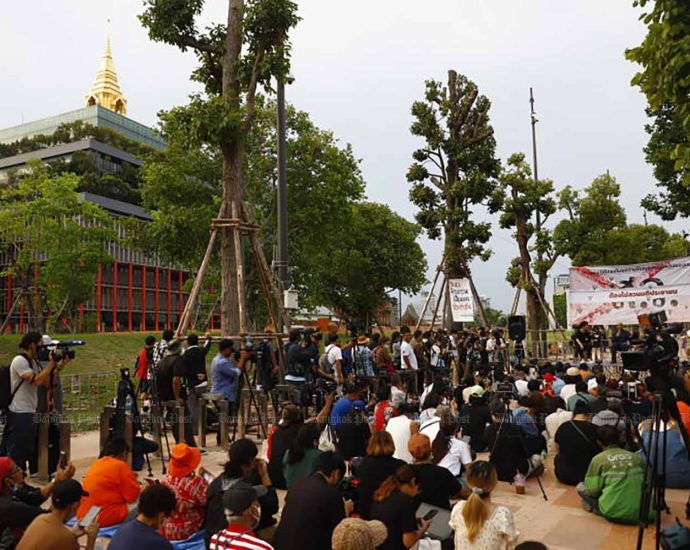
[195, 378]
[170, 374]
[26, 376]
[298, 361]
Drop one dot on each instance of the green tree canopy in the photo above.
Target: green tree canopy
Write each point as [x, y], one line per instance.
[44, 223]
[453, 172]
[378, 253]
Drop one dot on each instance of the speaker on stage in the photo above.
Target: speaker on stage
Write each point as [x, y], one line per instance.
[517, 327]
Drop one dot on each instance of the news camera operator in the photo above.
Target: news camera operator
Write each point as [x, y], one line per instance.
[298, 362]
[26, 377]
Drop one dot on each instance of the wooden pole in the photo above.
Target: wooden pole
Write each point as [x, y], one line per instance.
[196, 287]
[475, 294]
[10, 312]
[431, 293]
[444, 284]
[237, 238]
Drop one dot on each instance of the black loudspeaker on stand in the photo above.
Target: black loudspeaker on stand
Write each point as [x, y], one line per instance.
[517, 327]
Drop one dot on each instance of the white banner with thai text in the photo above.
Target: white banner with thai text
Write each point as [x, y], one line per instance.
[461, 300]
[608, 295]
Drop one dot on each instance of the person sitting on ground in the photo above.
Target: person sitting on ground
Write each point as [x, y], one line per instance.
[190, 493]
[353, 434]
[398, 391]
[156, 505]
[581, 394]
[437, 485]
[242, 465]
[525, 418]
[508, 448]
[394, 505]
[614, 481]
[279, 441]
[554, 421]
[669, 446]
[521, 383]
[343, 407]
[479, 523]
[384, 409]
[401, 428]
[576, 446]
[357, 534]
[450, 452]
[475, 417]
[572, 376]
[612, 415]
[301, 457]
[242, 511]
[314, 508]
[375, 468]
[15, 515]
[111, 484]
[48, 531]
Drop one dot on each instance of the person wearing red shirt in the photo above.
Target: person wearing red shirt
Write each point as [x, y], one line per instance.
[143, 366]
[190, 492]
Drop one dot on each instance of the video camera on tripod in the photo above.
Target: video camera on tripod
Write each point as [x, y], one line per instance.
[660, 349]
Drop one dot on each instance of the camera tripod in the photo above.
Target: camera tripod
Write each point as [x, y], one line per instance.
[125, 389]
[157, 407]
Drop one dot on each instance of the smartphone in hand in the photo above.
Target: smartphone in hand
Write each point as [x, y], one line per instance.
[89, 517]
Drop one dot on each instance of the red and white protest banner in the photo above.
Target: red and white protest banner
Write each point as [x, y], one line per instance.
[607, 295]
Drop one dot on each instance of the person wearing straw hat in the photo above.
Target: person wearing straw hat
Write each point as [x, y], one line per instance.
[357, 534]
[190, 491]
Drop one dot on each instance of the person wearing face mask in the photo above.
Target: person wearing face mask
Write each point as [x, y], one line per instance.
[242, 511]
[314, 507]
[49, 532]
[156, 504]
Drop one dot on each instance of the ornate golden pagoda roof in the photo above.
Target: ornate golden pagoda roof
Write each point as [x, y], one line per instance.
[106, 89]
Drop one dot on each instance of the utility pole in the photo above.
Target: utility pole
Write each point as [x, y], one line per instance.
[282, 256]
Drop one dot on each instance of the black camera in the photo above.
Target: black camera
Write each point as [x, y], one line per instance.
[59, 351]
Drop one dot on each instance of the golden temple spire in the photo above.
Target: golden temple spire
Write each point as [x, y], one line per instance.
[106, 89]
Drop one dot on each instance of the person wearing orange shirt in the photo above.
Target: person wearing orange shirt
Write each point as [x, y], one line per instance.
[111, 484]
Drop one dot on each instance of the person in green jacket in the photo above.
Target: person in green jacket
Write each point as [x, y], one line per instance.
[614, 480]
[300, 459]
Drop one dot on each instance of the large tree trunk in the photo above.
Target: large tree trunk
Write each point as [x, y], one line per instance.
[232, 268]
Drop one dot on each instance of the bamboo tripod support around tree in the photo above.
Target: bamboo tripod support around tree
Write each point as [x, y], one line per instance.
[241, 225]
[444, 293]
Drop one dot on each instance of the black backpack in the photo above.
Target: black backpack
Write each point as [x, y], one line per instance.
[7, 393]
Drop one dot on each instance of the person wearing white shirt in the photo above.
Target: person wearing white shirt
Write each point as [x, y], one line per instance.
[408, 358]
[335, 357]
[454, 452]
[521, 384]
[401, 428]
[398, 394]
[553, 422]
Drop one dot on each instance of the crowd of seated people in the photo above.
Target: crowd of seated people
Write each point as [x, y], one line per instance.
[358, 472]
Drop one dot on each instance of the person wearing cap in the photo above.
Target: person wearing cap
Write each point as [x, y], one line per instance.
[111, 484]
[242, 465]
[190, 493]
[576, 446]
[26, 377]
[437, 485]
[15, 515]
[156, 505]
[313, 507]
[354, 432]
[572, 376]
[48, 531]
[170, 374]
[242, 511]
[357, 534]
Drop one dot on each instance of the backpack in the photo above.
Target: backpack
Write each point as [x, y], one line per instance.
[7, 393]
[324, 364]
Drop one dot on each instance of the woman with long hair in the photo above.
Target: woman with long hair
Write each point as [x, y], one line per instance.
[375, 468]
[449, 451]
[300, 458]
[394, 505]
[478, 523]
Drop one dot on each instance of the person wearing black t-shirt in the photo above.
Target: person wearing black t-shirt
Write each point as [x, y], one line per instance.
[280, 440]
[394, 505]
[436, 484]
[313, 507]
[194, 368]
[475, 417]
[576, 443]
[375, 468]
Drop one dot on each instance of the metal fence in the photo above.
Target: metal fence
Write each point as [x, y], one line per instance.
[85, 395]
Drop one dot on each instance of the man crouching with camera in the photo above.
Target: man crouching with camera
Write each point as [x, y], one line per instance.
[26, 376]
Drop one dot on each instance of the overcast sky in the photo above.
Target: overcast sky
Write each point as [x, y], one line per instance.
[359, 65]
